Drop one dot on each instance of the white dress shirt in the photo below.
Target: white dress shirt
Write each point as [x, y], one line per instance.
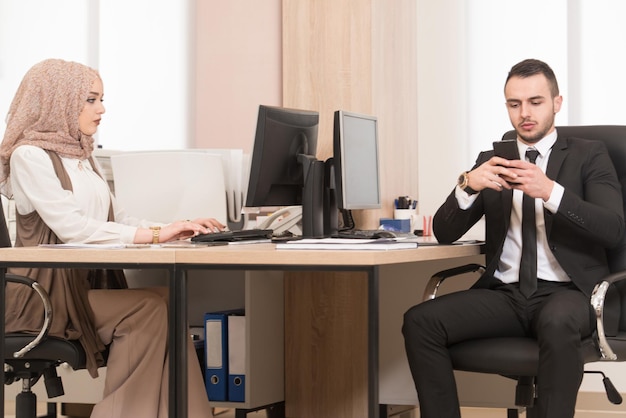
[548, 267]
[78, 216]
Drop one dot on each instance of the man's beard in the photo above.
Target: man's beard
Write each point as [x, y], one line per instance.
[534, 138]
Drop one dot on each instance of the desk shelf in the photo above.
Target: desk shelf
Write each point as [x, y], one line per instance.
[261, 294]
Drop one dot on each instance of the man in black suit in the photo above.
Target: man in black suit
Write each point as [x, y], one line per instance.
[578, 214]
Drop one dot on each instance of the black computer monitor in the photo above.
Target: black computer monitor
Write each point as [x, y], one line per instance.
[355, 161]
[284, 170]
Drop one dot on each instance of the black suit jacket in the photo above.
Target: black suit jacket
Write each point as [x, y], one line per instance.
[589, 220]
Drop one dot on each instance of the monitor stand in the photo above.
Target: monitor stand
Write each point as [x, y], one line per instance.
[312, 196]
[331, 212]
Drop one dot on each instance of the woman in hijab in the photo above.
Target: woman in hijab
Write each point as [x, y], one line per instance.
[46, 166]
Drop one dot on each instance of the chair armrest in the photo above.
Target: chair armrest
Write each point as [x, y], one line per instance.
[47, 321]
[598, 297]
[437, 279]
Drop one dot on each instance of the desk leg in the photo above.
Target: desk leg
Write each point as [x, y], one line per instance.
[2, 294]
[177, 342]
[373, 321]
[331, 344]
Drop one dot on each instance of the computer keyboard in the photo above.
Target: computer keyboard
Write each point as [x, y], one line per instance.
[357, 233]
[364, 234]
[242, 235]
[372, 234]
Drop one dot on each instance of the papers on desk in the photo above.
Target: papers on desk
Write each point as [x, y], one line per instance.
[95, 246]
[346, 244]
[250, 241]
[170, 244]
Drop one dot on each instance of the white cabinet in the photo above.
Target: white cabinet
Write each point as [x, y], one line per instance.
[260, 292]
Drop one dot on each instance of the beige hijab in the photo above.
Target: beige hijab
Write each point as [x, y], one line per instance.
[45, 111]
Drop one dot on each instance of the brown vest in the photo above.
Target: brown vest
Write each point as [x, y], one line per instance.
[73, 316]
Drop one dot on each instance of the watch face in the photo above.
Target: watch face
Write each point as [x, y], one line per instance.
[461, 178]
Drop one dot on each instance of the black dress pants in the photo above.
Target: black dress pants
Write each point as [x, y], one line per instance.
[557, 315]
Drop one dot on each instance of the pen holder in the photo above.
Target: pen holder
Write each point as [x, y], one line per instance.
[410, 214]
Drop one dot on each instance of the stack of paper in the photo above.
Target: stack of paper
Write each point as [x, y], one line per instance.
[346, 244]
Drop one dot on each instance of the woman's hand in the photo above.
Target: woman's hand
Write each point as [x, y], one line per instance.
[179, 230]
[187, 229]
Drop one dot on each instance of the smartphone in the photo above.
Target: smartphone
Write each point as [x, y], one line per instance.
[507, 148]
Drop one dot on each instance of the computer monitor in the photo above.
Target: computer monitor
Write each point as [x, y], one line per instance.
[356, 163]
[284, 170]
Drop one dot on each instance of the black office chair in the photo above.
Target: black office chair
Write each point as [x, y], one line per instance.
[518, 358]
[28, 357]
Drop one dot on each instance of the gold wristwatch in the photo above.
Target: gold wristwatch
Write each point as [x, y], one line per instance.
[463, 183]
[156, 233]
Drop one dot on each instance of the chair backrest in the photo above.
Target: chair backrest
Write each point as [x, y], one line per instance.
[614, 137]
[165, 186]
[5, 238]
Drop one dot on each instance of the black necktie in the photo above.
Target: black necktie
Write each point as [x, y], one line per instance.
[528, 265]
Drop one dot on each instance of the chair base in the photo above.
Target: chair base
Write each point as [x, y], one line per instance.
[26, 405]
[275, 410]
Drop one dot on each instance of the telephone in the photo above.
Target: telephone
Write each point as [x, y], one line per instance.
[283, 220]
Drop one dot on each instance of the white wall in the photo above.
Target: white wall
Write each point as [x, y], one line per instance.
[144, 61]
[441, 99]
[465, 52]
[140, 48]
[31, 31]
[501, 34]
[601, 62]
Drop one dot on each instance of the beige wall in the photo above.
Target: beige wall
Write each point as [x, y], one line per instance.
[238, 67]
[358, 55]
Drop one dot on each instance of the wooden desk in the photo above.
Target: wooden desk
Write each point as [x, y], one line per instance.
[136, 258]
[331, 319]
[331, 313]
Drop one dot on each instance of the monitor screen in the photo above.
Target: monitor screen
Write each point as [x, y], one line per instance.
[276, 174]
[356, 165]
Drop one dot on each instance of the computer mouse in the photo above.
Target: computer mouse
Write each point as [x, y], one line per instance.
[384, 234]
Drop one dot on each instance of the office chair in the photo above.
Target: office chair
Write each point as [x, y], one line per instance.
[518, 358]
[28, 357]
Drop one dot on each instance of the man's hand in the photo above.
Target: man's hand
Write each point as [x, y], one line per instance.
[529, 179]
[499, 173]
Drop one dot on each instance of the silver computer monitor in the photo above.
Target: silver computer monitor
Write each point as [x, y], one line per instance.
[356, 162]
